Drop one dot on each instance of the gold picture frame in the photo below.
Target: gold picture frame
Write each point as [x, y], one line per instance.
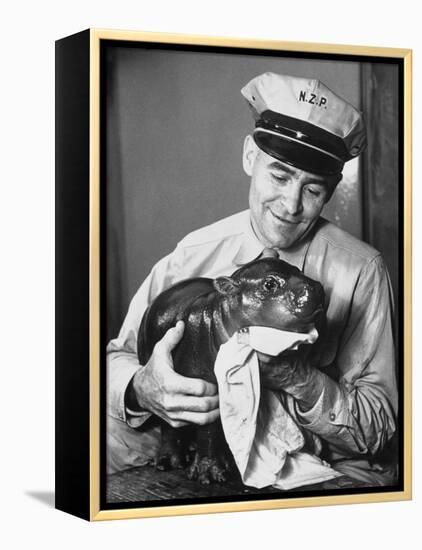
[78, 99]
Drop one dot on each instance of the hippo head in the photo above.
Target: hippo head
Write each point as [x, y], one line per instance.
[270, 292]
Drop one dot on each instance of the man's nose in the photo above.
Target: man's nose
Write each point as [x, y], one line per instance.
[292, 200]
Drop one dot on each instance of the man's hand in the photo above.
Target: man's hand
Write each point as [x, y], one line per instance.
[176, 399]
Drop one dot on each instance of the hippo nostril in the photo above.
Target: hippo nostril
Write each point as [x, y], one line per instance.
[303, 297]
[305, 300]
[293, 301]
[290, 297]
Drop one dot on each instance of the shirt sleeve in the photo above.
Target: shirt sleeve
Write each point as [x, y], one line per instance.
[357, 414]
[122, 358]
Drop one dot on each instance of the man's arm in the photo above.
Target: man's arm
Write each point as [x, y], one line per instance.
[357, 414]
[135, 391]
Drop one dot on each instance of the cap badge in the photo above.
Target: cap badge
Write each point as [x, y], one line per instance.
[313, 99]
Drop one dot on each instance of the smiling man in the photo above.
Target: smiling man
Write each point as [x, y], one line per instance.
[344, 395]
[285, 202]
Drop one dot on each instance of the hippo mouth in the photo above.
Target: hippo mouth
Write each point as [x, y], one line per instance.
[273, 341]
[311, 317]
[301, 322]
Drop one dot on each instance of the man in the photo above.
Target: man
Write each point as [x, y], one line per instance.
[344, 396]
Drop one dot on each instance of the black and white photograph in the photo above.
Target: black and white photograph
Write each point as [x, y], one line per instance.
[211, 274]
[253, 256]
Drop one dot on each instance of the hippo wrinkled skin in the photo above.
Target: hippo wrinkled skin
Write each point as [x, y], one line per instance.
[266, 292]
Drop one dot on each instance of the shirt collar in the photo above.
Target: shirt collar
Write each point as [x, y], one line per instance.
[251, 248]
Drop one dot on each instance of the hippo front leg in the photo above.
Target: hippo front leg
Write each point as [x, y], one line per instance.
[174, 448]
[213, 461]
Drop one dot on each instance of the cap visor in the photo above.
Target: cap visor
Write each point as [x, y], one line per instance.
[300, 155]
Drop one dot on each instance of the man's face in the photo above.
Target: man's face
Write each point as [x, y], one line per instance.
[285, 202]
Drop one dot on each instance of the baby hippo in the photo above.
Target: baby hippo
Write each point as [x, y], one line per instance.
[267, 292]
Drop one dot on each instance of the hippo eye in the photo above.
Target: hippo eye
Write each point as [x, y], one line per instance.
[271, 283]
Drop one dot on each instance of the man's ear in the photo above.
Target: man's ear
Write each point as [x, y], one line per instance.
[226, 285]
[250, 150]
[332, 186]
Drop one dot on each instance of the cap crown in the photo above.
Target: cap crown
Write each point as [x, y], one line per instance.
[309, 101]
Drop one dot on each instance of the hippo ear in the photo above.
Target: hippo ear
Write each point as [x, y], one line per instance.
[226, 285]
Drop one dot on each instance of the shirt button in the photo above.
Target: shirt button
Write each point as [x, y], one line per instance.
[332, 416]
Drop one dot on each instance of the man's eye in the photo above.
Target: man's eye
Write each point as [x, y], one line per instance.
[313, 191]
[279, 179]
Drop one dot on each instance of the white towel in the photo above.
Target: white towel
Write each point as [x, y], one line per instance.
[265, 441]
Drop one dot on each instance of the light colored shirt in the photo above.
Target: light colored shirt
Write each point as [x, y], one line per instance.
[355, 413]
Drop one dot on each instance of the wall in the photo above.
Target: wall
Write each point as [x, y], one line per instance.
[381, 166]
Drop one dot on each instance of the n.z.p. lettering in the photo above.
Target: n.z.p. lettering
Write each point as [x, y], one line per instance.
[313, 99]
